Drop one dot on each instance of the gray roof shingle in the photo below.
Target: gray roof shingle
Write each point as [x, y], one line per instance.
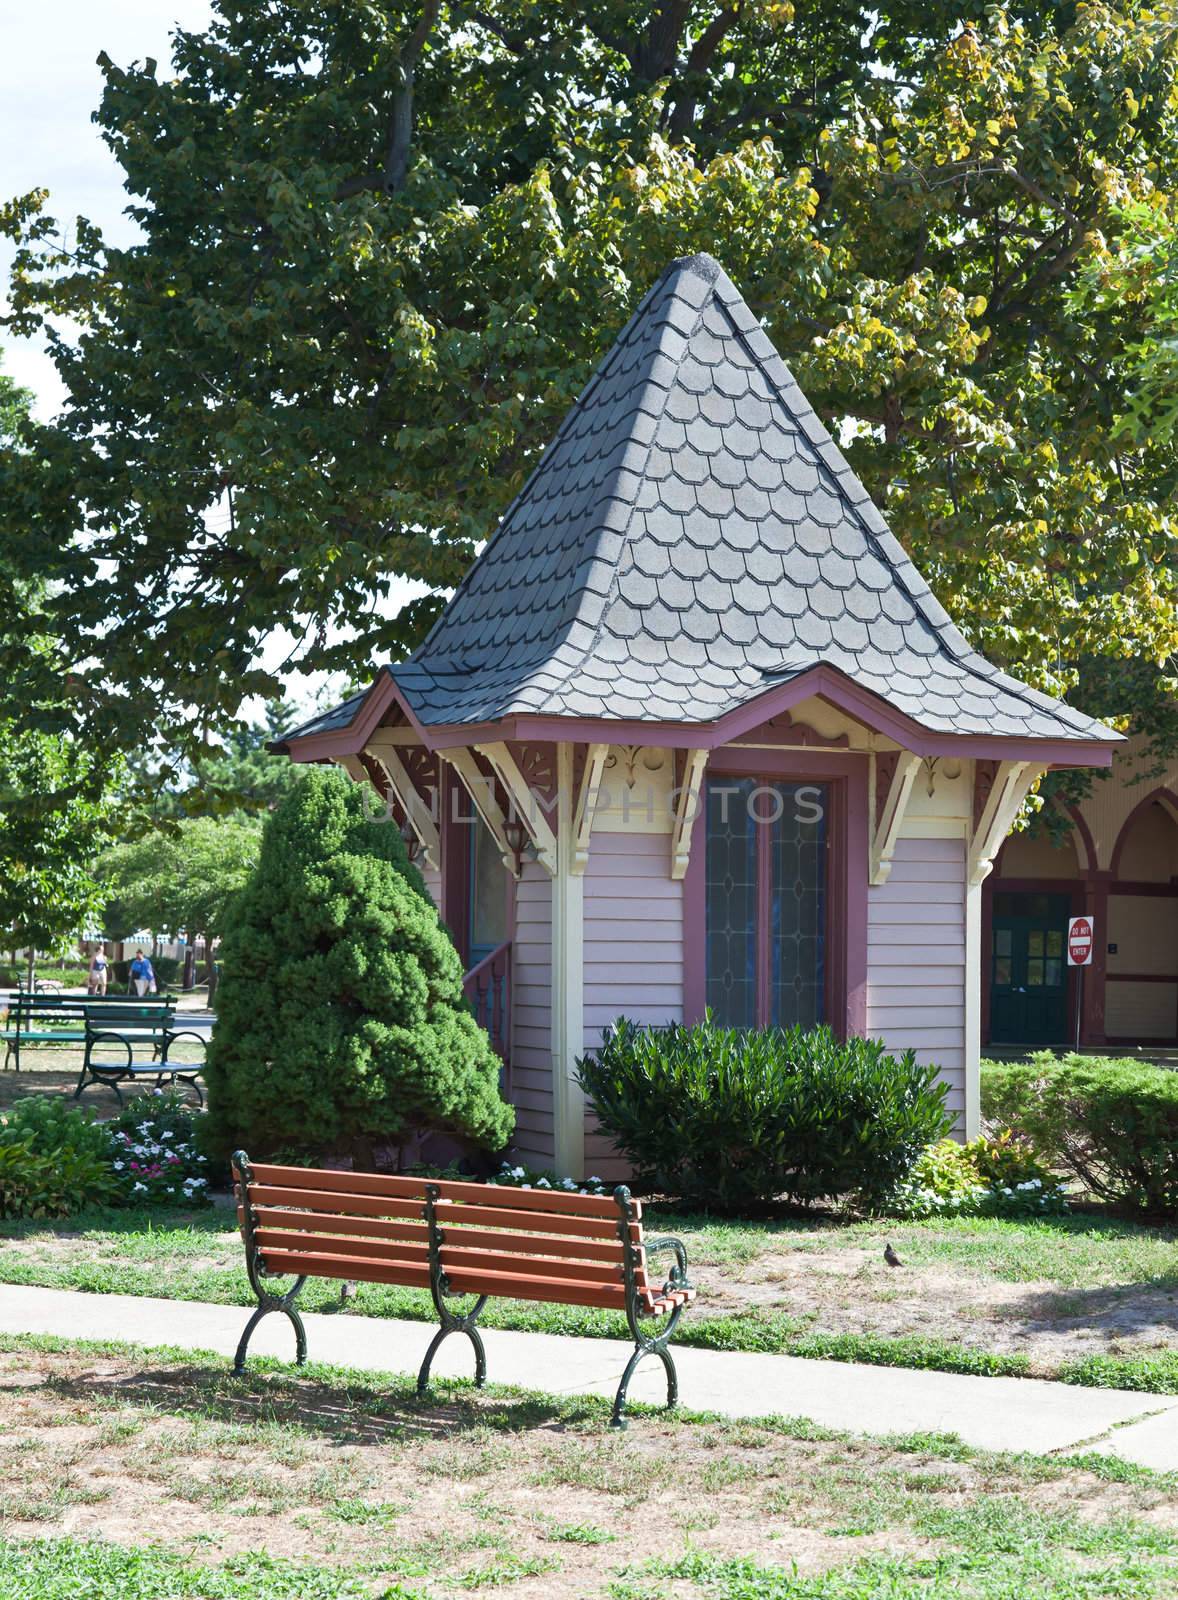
[692, 509]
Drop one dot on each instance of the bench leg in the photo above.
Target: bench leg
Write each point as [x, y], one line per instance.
[266, 1304]
[653, 1347]
[452, 1321]
[452, 1324]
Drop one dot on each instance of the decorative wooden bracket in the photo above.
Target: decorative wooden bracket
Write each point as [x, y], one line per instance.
[587, 805]
[354, 768]
[685, 811]
[384, 754]
[891, 815]
[527, 805]
[1007, 793]
[481, 790]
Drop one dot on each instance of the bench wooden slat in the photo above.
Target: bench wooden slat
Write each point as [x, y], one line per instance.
[405, 1274]
[464, 1280]
[452, 1256]
[374, 1183]
[473, 1238]
[340, 1203]
[520, 1286]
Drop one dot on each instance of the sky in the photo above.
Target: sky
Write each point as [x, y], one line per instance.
[50, 84]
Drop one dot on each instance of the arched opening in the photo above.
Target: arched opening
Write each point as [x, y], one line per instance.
[1141, 995]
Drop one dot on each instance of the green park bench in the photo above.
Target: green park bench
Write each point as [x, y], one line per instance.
[132, 1041]
[46, 1020]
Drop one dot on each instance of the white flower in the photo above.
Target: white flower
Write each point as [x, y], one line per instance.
[167, 1136]
[597, 1181]
[518, 1172]
[139, 1188]
[543, 1183]
[567, 1183]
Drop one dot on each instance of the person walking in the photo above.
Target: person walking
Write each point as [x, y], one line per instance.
[142, 975]
[99, 972]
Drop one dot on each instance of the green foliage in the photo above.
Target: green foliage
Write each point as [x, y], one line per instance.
[1113, 1124]
[988, 1177]
[309, 324]
[242, 775]
[54, 1160]
[730, 1119]
[184, 879]
[54, 809]
[154, 1152]
[341, 1021]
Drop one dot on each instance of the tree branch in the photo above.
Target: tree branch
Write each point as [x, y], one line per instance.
[400, 136]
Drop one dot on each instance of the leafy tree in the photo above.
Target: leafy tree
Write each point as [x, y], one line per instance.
[182, 879]
[54, 811]
[371, 230]
[240, 776]
[341, 1021]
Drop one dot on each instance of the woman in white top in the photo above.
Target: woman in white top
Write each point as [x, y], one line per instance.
[96, 981]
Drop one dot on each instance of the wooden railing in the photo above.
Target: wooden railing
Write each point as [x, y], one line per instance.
[488, 988]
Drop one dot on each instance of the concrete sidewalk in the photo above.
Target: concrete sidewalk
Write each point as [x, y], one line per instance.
[991, 1413]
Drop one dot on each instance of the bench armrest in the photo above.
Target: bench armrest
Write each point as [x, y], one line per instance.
[101, 1037]
[170, 1038]
[677, 1279]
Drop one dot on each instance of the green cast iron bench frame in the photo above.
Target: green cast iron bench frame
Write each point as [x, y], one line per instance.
[456, 1238]
[128, 1028]
[53, 1019]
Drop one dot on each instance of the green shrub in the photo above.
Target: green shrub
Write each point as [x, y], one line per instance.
[730, 1119]
[1000, 1177]
[1113, 1124]
[54, 1159]
[341, 1023]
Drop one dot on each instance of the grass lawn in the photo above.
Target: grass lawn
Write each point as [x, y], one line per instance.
[156, 1474]
[1086, 1297]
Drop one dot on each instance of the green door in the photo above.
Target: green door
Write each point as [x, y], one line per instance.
[1028, 969]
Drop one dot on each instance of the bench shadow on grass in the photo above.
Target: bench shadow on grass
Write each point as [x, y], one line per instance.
[340, 1412]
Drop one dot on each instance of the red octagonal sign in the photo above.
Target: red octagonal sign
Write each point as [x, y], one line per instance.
[1079, 941]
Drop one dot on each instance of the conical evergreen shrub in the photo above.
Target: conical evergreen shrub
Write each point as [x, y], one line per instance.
[340, 1018]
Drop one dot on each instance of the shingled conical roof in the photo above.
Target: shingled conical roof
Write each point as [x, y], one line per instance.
[693, 538]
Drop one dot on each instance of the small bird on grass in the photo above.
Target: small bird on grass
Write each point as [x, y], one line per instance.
[890, 1256]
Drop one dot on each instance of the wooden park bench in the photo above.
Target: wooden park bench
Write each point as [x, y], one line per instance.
[132, 1041]
[44, 1020]
[457, 1238]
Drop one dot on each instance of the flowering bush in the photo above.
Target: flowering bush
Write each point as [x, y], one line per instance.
[516, 1177]
[999, 1177]
[155, 1158]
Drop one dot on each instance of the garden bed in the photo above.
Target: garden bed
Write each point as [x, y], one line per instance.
[170, 1477]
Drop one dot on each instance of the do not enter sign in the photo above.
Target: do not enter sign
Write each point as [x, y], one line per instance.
[1079, 941]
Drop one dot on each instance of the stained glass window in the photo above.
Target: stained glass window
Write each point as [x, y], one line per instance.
[732, 903]
[766, 902]
[798, 907]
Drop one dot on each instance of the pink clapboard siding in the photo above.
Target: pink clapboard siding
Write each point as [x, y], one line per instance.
[531, 1020]
[633, 933]
[916, 957]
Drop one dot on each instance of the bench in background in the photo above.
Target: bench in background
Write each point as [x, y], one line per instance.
[458, 1239]
[116, 1039]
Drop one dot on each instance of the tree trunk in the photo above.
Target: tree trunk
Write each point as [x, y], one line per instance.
[31, 968]
[210, 971]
